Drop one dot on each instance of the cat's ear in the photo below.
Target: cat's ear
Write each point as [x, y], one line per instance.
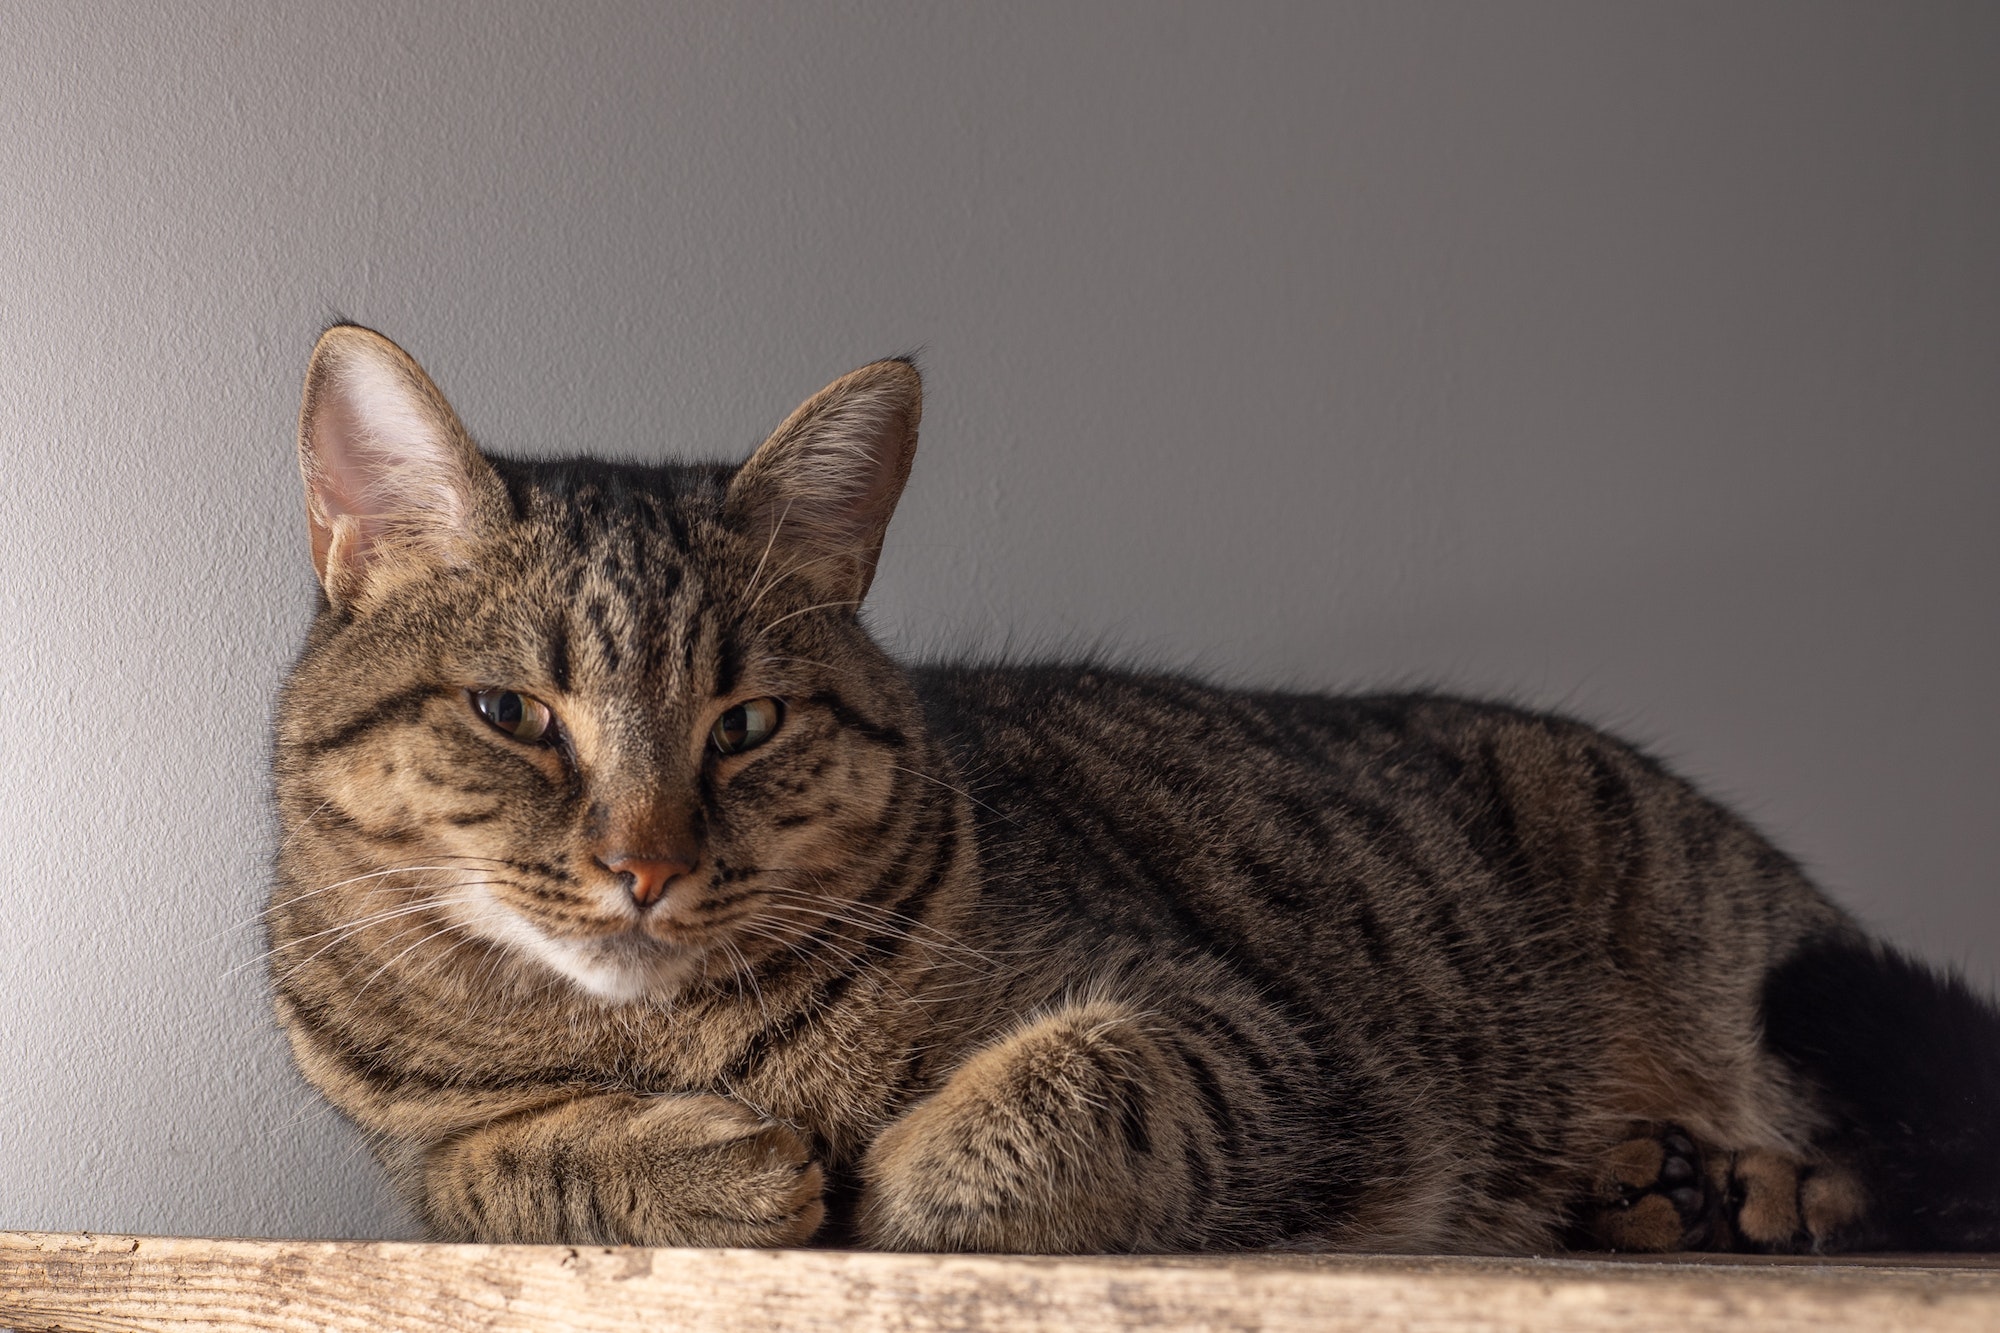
[818, 494]
[392, 479]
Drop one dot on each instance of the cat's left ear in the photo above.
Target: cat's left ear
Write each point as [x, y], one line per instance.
[818, 494]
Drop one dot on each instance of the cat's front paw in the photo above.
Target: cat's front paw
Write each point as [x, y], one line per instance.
[620, 1169]
[1049, 1140]
[721, 1174]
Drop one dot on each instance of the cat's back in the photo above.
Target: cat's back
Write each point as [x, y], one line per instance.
[1036, 738]
[1410, 834]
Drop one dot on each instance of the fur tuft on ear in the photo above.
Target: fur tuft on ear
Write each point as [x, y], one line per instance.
[391, 477]
[818, 494]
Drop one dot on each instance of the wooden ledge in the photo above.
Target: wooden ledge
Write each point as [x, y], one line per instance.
[130, 1282]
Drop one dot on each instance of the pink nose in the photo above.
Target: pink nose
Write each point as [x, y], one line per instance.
[648, 878]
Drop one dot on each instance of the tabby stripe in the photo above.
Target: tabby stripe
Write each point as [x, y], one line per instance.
[1504, 850]
[728, 664]
[425, 775]
[886, 944]
[890, 737]
[596, 614]
[541, 868]
[675, 523]
[1616, 808]
[556, 657]
[1132, 1124]
[396, 708]
[1216, 1104]
[1243, 1041]
[600, 1225]
[923, 825]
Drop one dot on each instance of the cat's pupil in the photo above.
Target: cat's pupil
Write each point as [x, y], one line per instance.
[521, 716]
[732, 730]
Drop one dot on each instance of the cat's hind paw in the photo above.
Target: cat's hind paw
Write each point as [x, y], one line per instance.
[1653, 1194]
[1779, 1204]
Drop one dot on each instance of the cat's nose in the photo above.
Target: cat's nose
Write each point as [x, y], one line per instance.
[646, 877]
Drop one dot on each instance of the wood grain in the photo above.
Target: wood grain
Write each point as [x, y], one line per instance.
[87, 1282]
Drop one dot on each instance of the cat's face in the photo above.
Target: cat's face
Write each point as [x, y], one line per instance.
[618, 723]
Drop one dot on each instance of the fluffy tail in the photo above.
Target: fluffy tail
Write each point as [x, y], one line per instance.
[1909, 1060]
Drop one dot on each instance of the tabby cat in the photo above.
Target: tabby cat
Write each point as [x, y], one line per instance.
[628, 892]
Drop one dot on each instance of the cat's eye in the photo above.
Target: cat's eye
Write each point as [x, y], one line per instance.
[521, 716]
[746, 726]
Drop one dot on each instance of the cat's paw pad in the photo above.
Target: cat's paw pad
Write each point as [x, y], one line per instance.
[1653, 1194]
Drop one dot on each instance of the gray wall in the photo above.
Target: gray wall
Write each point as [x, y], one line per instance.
[1634, 360]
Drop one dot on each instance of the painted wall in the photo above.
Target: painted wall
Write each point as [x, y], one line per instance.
[1639, 360]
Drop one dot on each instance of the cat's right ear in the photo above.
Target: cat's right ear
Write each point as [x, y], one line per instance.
[392, 480]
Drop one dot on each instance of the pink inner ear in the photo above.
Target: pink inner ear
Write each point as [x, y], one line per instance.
[345, 463]
[337, 463]
[383, 452]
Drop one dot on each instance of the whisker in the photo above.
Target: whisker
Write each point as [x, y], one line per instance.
[804, 611]
[856, 959]
[348, 929]
[1000, 814]
[769, 542]
[884, 916]
[447, 929]
[265, 913]
[795, 567]
[374, 874]
[294, 832]
[751, 973]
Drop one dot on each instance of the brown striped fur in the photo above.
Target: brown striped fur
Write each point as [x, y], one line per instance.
[1006, 958]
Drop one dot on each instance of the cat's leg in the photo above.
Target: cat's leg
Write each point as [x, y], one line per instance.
[1662, 1189]
[1095, 1127]
[620, 1169]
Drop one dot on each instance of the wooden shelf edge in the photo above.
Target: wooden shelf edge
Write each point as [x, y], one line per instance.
[94, 1282]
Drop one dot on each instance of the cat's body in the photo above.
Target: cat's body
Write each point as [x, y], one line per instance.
[629, 893]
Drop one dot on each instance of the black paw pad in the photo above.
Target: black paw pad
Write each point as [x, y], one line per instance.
[1682, 1182]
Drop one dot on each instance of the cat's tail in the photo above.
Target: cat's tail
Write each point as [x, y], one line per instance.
[1908, 1058]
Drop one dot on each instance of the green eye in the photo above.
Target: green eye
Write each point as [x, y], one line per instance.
[521, 716]
[746, 726]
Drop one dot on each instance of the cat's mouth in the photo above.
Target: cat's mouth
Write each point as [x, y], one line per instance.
[622, 956]
[619, 961]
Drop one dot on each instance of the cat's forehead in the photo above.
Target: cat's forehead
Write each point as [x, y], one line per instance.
[625, 560]
[599, 504]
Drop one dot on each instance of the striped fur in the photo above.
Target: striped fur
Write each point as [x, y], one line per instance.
[1011, 958]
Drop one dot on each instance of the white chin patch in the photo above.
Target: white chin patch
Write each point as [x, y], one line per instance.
[616, 969]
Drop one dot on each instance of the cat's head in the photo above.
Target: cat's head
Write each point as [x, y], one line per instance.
[617, 722]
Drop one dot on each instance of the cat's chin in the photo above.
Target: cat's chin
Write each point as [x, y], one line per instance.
[613, 969]
[622, 968]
